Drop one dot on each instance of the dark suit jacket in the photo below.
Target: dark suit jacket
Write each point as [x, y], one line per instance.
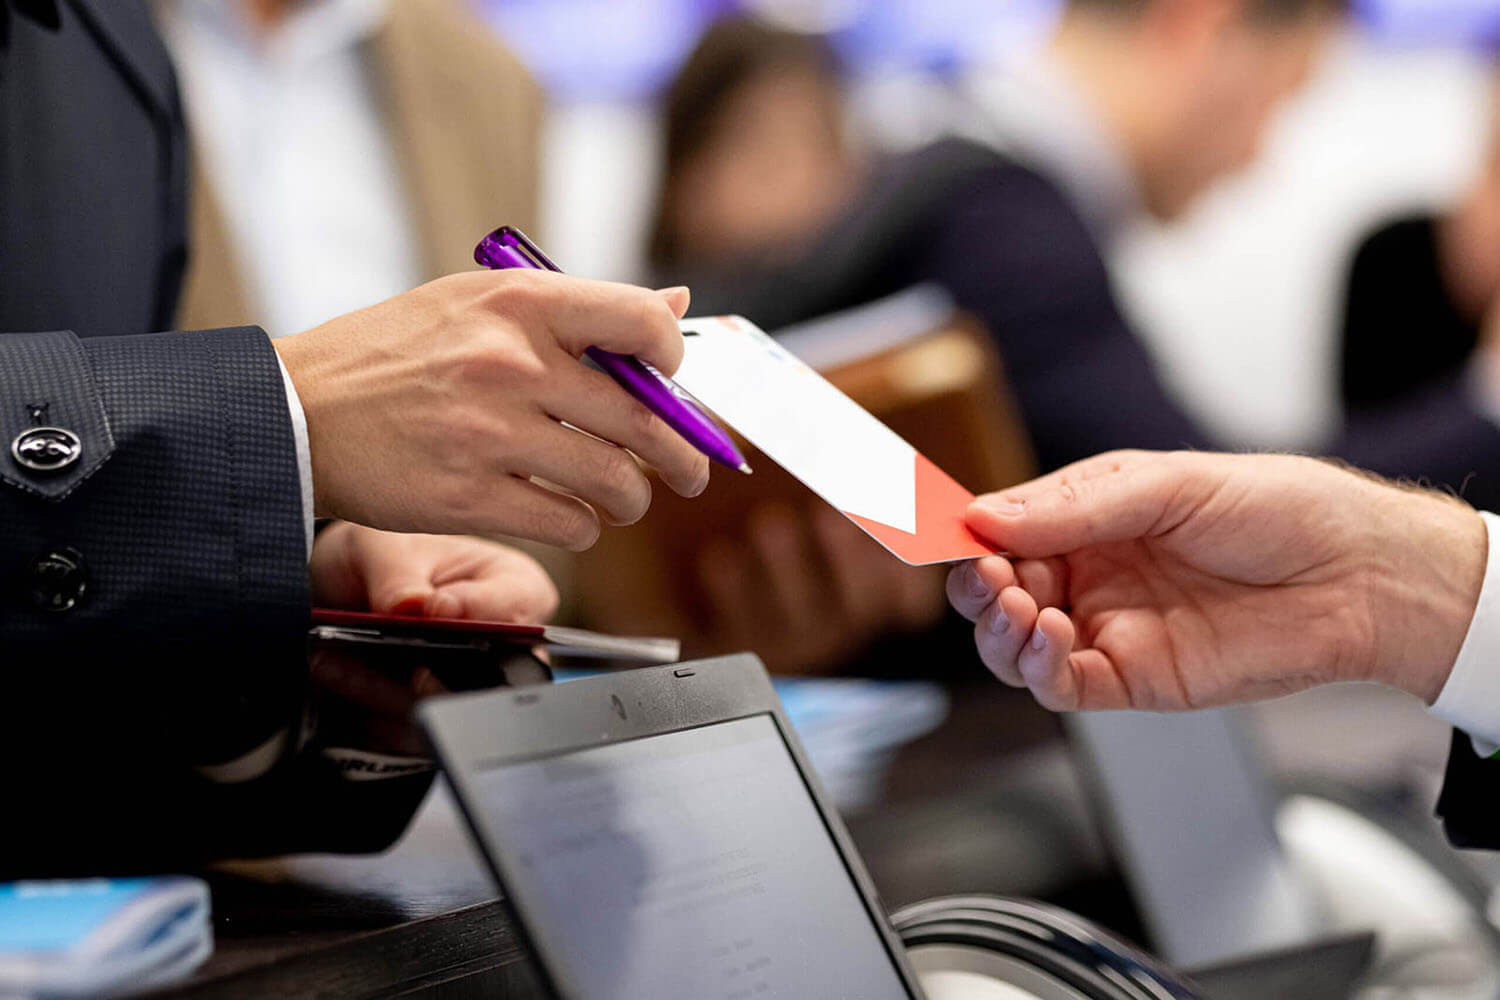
[1402, 330]
[1467, 805]
[1012, 249]
[184, 648]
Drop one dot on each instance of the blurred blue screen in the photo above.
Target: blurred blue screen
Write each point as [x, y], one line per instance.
[629, 49]
[1469, 23]
[625, 50]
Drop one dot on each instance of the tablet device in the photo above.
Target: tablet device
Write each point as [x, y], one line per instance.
[658, 833]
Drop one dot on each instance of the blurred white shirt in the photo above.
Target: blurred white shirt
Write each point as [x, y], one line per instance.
[291, 136]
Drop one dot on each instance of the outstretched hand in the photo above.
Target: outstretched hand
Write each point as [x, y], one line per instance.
[1183, 580]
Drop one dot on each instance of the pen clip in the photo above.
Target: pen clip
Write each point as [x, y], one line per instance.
[518, 241]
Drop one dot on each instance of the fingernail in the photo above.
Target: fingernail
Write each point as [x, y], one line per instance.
[978, 589]
[1039, 640]
[446, 606]
[679, 297]
[411, 604]
[1006, 508]
[999, 621]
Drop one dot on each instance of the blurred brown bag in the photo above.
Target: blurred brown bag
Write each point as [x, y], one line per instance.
[945, 392]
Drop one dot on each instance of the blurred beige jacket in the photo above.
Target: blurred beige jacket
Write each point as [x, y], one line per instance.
[465, 119]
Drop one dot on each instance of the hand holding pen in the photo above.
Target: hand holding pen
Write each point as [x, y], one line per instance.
[461, 407]
[508, 247]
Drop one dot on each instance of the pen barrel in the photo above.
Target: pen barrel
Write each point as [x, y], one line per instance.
[508, 248]
[679, 411]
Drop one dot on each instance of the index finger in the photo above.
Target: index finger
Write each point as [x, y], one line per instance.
[972, 585]
[625, 319]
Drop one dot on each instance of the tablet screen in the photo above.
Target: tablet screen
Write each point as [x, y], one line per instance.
[693, 864]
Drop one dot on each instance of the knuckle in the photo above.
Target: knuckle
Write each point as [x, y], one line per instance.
[462, 436]
[524, 296]
[500, 357]
[557, 520]
[521, 287]
[542, 522]
[528, 367]
[460, 500]
[576, 527]
[622, 480]
[447, 301]
[644, 426]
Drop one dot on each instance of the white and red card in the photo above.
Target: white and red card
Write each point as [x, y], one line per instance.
[830, 443]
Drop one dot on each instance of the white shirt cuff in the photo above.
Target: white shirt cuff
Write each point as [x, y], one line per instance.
[1470, 701]
[304, 451]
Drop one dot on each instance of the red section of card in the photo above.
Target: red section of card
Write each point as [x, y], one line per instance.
[416, 623]
[941, 533]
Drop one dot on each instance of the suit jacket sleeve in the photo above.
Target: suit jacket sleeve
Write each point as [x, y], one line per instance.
[176, 644]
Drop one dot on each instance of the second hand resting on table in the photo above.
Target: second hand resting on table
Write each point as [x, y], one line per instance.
[436, 576]
[1183, 580]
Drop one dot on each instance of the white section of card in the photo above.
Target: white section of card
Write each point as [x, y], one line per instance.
[808, 427]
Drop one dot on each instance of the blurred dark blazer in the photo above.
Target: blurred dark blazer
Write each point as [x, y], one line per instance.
[1013, 251]
[154, 594]
[1468, 804]
[1401, 330]
[465, 121]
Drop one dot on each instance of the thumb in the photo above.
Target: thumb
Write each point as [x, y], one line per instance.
[396, 583]
[516, 599]
[678, 298]
[1113, 497]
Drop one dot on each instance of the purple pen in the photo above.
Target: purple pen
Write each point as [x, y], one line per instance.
[508, 247]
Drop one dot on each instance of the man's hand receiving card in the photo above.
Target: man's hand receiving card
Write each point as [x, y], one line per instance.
[827, 441]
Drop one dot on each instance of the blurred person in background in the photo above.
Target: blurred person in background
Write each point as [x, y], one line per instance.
[1430, 281]
[755, 156]
[756, 162]
[1134, 108]
[344, 151]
